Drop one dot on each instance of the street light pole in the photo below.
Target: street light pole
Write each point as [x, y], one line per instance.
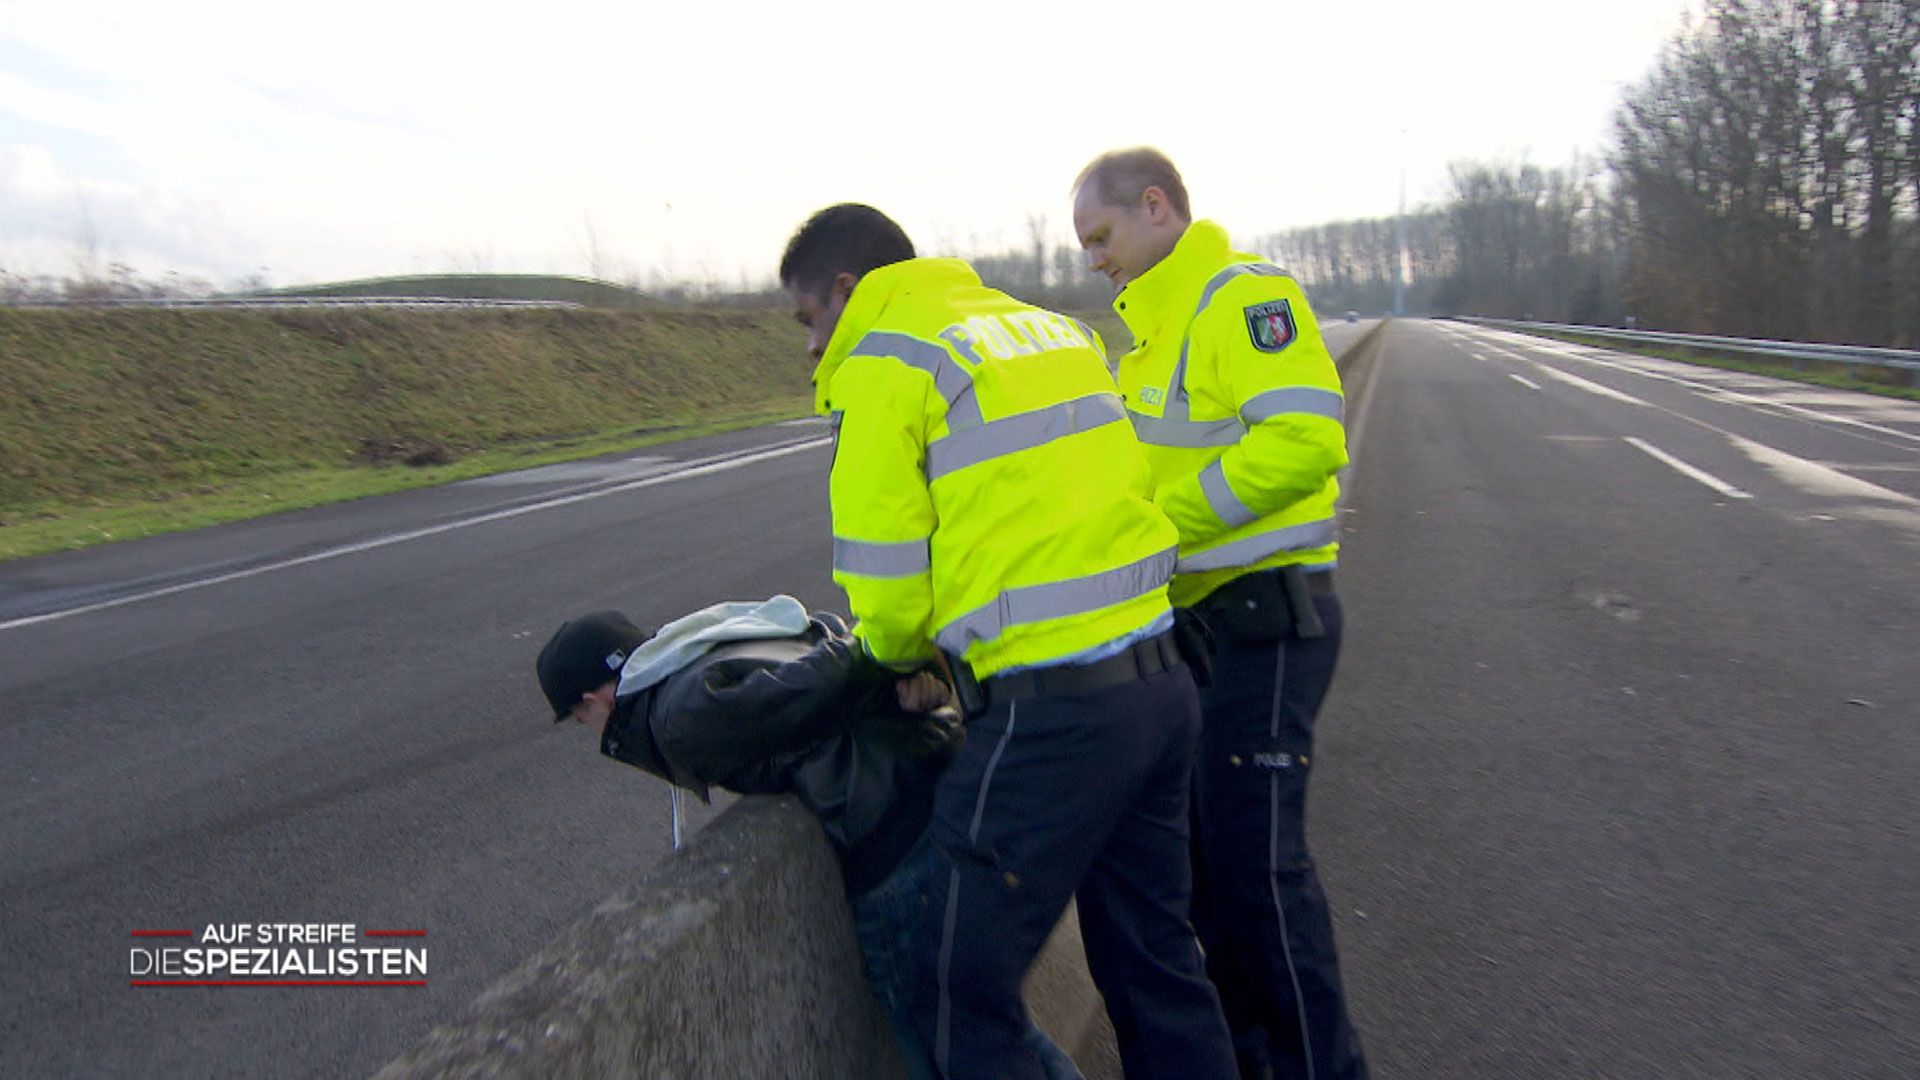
[1400, 236]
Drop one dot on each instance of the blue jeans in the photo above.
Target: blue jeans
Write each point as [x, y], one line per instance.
[892, 922]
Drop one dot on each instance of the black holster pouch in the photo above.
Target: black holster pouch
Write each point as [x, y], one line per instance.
[968, 694]
[1263, 607]
[1306, 617]
[1194, 639]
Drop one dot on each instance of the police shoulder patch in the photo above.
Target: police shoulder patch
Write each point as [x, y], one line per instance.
[1270, 325]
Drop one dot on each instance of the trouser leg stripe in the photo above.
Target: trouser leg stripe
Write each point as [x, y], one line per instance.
[986, 780]
[1273, 860]
[943, 1030]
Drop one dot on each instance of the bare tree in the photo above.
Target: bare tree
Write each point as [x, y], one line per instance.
[86, 242]
[1037, 233]
[1350, 264]
[590, 248]
[1766, 170]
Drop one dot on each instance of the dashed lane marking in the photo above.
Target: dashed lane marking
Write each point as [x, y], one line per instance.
[1687, 470]
[1643, 366]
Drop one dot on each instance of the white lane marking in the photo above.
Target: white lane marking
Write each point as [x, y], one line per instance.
[1584, 384]
[1689, 471]
[697, 467]
[1642, 366]
[632, 468]
[1811, 476]
[1816, 478]
[1570, 379]
[1523, 381]
[1715, 391]
[1801, 411]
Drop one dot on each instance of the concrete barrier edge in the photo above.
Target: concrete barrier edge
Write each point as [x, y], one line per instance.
[734, 957]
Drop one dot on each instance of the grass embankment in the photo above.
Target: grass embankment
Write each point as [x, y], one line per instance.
[1113, 333]
[121, 423]
[1888, 382]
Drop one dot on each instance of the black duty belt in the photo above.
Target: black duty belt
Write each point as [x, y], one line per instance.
[1320, 582]
[1267, 606]
[1138, 661]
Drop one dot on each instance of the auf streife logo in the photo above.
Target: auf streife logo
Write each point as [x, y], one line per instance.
[278, 954]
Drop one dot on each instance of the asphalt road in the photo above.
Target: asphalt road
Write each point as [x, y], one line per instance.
[1619, 775]
[352, 739]
[1617, 778]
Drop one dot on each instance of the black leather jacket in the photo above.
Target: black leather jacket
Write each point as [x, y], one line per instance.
[810, 715]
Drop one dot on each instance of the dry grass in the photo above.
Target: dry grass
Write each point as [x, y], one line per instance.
[120, 410]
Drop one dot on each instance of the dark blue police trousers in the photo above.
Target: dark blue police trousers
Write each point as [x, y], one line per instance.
[1083, 797]
[1258, 904]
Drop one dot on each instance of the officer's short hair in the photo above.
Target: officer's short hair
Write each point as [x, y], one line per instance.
[1122, 176]
[846, 239]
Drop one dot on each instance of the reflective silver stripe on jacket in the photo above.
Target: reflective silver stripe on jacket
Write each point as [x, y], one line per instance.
[1186, 434]
[1220, 496]
[1307, 400]
[949, 377]
[904, 559]
[1022, 431]
[1219, 280]
[1251, 549]
[1172, 428]
[963, 409]
[1093, 339]
[1056, 600]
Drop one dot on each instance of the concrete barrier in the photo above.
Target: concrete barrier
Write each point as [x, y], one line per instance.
[735, 957]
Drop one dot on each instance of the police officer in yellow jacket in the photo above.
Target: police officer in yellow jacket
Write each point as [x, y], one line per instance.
[990, 503]
[1237, 401]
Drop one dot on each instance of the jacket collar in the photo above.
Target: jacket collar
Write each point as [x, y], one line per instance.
[869, 301]
[1170, 288]
[629, 737]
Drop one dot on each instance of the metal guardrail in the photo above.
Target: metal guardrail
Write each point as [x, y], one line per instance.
[311, 302]
[1907, 360]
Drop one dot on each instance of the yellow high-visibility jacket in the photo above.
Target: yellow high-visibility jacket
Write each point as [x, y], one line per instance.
[1235, 396]
[988, 495]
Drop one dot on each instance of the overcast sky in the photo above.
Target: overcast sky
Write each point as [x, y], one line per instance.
[352, 139]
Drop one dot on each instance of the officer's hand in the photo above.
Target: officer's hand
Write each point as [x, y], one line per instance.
[934, 732]
[922, 692]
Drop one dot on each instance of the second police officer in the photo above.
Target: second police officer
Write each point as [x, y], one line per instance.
[1237, 401]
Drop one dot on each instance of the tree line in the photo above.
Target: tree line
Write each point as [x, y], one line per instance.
[1763, 180]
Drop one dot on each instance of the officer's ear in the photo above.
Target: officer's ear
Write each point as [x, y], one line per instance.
[1158, 208]
[842, 285]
